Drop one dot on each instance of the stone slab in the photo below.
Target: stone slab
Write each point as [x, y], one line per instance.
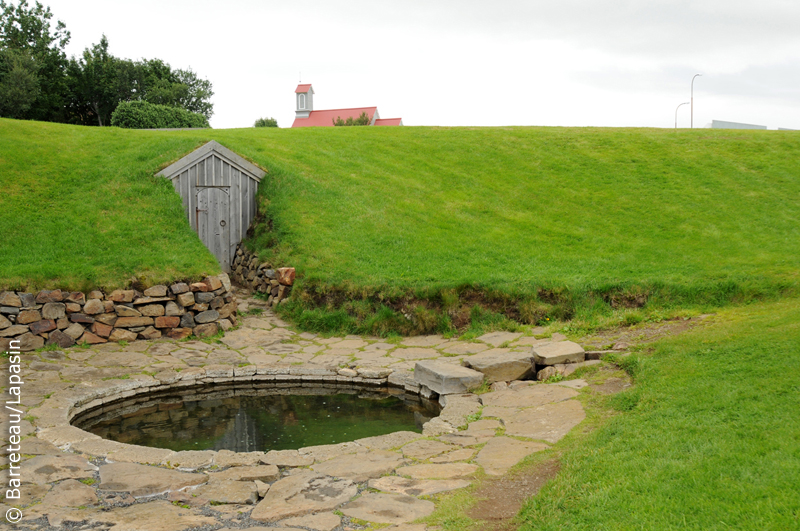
[315, 522]
[70, 493]
[464, 347]
[443, 471]
[63, 435]
[459, 408]
[388, 508]
[502, 366]
[34, 446]
[225, 458]
[498, 338]
[559, 352]
[142, 480]
[245, 337]
[417, 487]
[131, 453]
[159, 515]
[390, 440]
[303, 493]
[323, 452]
[437, 426]
[425, 449]
[228, 491]
[422, 341]
[465, 454]
[550, 422]
[44, 469]
[446, 378]
[265, 473]
[192, 459]
[287, 458]
[360, 467]
[501, 453]
[530, 396]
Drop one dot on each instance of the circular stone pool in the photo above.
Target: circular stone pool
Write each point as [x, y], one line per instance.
[248, 417]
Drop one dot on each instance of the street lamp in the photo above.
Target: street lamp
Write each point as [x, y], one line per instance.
[692, 100]
[676, 112]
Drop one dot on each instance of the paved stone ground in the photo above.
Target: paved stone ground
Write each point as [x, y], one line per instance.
[74, 480]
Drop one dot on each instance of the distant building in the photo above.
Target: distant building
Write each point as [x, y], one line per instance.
[306, 116]
[719, 124]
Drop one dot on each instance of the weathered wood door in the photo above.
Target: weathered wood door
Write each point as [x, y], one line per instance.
[218, 188]
[213, 224]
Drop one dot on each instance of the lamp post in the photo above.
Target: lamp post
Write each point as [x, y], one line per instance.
[676, 112]
[692, 100]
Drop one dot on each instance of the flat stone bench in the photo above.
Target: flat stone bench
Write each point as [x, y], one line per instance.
[446, 378]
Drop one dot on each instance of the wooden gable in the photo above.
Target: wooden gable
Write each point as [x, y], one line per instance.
[218, 188]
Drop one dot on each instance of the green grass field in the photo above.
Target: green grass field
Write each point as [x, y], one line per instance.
[557, 220]
[698, 218]
[516, 207]
[80, 209]
[709, 438]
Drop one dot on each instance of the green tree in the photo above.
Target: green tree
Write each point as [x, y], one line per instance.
[98, 82]
[19, 83]
[363, 119]
[28, 30]
[153, 84]
[38, 82]
[161, 85]
[266, 122]
[196, 96]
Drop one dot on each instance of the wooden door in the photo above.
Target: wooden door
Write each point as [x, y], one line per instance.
[213, 223]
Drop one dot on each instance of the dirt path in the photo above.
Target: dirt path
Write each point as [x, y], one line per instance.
[502, 498]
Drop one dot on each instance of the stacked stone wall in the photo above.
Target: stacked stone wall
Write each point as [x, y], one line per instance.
[259, 276]
[65, 318]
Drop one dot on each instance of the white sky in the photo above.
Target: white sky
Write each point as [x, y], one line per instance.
[471, 62]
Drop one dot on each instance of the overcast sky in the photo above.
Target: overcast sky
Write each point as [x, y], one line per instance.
[470, 62]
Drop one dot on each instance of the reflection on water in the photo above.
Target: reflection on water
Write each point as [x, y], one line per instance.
[252, 418]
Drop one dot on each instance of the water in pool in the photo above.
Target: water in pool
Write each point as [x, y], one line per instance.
[257, 420]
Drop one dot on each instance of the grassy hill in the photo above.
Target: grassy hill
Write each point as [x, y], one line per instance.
[80, 209]
[539, 222]
[516, 207]
[548, 221]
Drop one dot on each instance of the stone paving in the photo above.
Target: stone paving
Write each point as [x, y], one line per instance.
[73, 479]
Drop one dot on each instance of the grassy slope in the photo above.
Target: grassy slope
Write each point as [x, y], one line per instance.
[80, 209]
[523, 206]
[511, 208]
[711, 438]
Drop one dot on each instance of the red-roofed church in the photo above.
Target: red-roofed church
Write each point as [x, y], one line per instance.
[306, 116]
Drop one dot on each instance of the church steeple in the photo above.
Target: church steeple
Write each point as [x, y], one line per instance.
[305, 100]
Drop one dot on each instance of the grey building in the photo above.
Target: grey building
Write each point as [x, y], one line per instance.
[720, 124]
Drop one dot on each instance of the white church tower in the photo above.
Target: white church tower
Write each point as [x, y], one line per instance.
[305, 100]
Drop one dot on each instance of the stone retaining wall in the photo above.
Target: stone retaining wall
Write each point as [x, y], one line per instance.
[250, 272]
[66, 318]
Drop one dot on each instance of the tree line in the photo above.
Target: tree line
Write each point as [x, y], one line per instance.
[39, 82]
